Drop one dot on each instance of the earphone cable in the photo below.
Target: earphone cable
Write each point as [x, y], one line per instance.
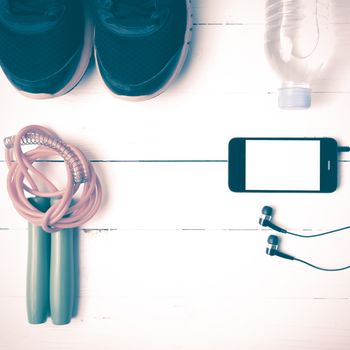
[318, 234]
[321, 268]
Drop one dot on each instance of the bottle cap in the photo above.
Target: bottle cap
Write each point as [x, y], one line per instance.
[294, 98]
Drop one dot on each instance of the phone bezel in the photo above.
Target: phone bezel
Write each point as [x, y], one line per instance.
[328, 153]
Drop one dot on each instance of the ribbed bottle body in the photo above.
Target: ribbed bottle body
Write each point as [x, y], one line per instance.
[298, 43]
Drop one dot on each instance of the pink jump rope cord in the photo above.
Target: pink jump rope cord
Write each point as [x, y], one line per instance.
[22, 178]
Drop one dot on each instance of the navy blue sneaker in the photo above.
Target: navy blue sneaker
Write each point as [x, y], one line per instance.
[45, 45]
[141, 45]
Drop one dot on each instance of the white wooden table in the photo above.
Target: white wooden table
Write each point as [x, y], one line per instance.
[174, 260]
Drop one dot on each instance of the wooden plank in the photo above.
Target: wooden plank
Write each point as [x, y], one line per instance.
[190, 263]
[226, 12]
[235, 12]
[187, 323]
[195, 196]
[175, 133]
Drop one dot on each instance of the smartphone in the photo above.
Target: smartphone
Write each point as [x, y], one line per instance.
[283, 165]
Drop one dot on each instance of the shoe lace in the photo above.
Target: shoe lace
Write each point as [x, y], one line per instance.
[33, 7]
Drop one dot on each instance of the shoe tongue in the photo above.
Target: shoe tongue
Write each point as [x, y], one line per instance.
[135, 2]
[41, 3]
[36, 8]
[134, 13]
[33, 15]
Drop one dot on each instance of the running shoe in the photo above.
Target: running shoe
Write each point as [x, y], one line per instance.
[141, 45]
[45, 45]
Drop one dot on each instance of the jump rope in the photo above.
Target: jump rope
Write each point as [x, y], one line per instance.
[53, 216]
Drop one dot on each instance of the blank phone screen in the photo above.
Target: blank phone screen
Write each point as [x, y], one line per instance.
[282, 165]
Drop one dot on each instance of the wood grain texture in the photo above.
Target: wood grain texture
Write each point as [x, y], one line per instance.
[174, 260]
[194, 195]
[188, 323]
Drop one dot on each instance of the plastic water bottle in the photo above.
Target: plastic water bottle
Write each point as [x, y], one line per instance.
[298, 44]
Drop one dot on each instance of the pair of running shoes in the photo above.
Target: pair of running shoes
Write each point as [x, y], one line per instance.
[140, 45]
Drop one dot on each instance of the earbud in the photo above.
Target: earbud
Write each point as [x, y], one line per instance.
[266, 215]
[273, 241]
[266, 218]
[272, 245]
[272, 248]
